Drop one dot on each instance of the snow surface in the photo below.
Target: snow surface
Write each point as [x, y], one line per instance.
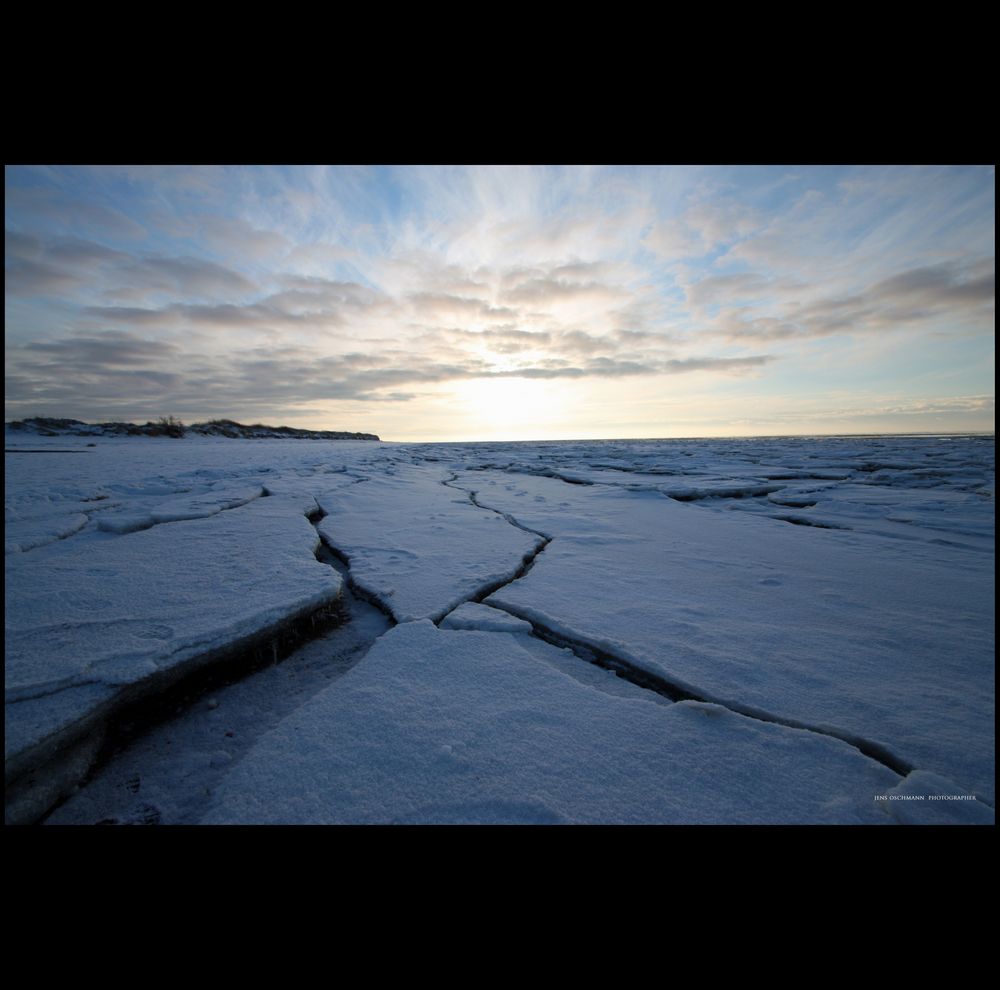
[485, 619]
[820, 599]
[87, 619]
[419, 546]
[441, 726]
[169, 774]
[795, 622]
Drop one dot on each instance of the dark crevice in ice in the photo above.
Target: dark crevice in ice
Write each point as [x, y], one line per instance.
[62, 536]
[159, 703]
[530, 472]
[41, 778]
[743, 491]
[600, 658]
[638, 469]
[527, 561]
[147, 521]
[676, 691]
[328, 553]
[562, 477]
[803, 521]
[331, 555]
[232, 667]
[471, 495]
[508, 517]
[664, 686]
[178, 733]
[805, 477]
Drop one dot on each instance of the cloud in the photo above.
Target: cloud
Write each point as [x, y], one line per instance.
[234, 236]
[957, 294]
[906, 298]
[585, 343]
[979, 407]
[711, 290]
[309, 305]
[936, 406]
[703, 228]
[61, 265]
[111, 349]
[313, 290]
[284, 287]
[941, 285]
[603, 367]
[545, 293]
[86, 370]
[871, 222]
[725, 365]
[143, 389]
[438, 306]
[503, 339]
[313, 305]
[132, 315]
[74, 252]
[23, 277]
[197, 181]
[183, 276]
[113, 370]
[17, 245]
[318, 255]
[60, 212]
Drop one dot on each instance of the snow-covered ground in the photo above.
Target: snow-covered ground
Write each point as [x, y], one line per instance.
[714, 631]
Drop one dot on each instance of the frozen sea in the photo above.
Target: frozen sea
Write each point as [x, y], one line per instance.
[751, 631]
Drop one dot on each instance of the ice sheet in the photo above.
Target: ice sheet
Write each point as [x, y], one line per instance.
[116, 611]
[842, 630]
[871, 617]
[418, 546]
[437, 726]
[485, 619]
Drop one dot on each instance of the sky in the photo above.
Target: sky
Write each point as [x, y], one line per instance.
[440, 303]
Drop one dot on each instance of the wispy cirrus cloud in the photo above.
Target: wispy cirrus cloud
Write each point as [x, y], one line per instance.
[956, 294]
[295, 289]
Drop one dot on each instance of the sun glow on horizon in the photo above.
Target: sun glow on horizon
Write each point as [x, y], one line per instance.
[504, 303]
[504, 408]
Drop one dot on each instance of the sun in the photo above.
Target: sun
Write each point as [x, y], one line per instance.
[509, 408]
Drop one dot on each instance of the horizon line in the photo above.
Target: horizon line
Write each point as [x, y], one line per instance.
[746, 436]
[742, 436]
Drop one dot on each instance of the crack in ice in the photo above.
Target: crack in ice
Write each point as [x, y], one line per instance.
[673, 690]
[316, 517]
[677, 691]
[527, 561]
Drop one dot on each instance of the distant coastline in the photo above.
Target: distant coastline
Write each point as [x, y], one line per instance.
[47, 426]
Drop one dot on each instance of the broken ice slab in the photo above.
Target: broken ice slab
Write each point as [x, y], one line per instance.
[93, 626]
[484, 618]
[868, 636]
[24, 534]
[205, 504]
[439, 726]
[419, 547]
[152, 512]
